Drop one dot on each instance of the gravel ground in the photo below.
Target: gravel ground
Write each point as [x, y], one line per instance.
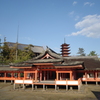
[90, 92]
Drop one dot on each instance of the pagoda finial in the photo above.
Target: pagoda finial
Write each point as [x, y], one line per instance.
[64, 40]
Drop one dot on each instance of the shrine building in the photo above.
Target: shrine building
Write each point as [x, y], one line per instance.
[52, 69]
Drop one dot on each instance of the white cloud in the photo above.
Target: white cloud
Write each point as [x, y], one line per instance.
[88, 3]
[74, 3]
[89, 26]
[71, 13]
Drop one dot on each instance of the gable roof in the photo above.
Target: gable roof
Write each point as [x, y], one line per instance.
[48, 51]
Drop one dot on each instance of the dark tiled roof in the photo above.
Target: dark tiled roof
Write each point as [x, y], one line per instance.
[90, 63]
[7, 68]
[21, 65]
[35, 49]
[46, 61]
[52, 54]
[71, 63]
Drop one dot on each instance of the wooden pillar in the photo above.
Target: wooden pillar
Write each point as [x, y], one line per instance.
[66, 87]
[11, 81]
[78, 87]
[5, 74]
[35, 87]
[32, 87]
[14, 86]
[86, 78]
[55, 87]
[18, 75]
[95, 75]
[96, 82]
[56, 75]
[43, 87]
[12, 74]
[23, 86]
[44, 75]
[60, 76]
[24, 75]
[40, 75]
[36, 76]
[70, 75]
[86, 75]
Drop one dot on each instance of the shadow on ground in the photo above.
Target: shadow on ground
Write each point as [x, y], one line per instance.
[97, 94]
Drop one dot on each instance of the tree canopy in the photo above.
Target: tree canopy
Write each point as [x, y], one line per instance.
[92, 53]
[8, 55]
[81, 52]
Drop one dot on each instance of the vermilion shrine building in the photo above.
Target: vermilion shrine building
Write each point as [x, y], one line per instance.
[49, 68]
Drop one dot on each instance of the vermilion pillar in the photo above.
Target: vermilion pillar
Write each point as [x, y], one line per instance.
[44, 75]
[56, 75]
[70, 75]
[36, 76]
[40, 75]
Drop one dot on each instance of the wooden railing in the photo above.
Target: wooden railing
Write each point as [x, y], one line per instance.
[68, 82]
[90, 79]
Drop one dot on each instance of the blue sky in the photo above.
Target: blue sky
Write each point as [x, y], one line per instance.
[48, 22]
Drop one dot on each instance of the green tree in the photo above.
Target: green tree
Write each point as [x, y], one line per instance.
[5, 53]
[8, 55]
[92, 53]
[81, 52]
[25, 54]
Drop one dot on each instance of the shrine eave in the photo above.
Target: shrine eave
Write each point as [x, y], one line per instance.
[75, 66]
[21, 66]
[45, 61]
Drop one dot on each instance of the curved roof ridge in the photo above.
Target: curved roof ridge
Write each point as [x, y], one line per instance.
[55, 55]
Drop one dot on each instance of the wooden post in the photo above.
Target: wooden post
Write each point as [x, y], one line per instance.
[43, 87]
[46, 87]
[96, 83]
[71, 88]
[55, 87]
[35, 87]
[86, 75]
[60, 76]
[23, 86]
[11, 81]
[5, 74]
[36, 76]
[18, 75]
[41, 76]
[44, 76]
[86, 82]
[56, 75]
[32, 87]
[70, 75]
[14, 86]
[24, 75]
[95, 75]
[5, 77]
[4, 81]
[66, 87]
[78, 87]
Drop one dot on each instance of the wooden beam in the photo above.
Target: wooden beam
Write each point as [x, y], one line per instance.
[42, 63]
